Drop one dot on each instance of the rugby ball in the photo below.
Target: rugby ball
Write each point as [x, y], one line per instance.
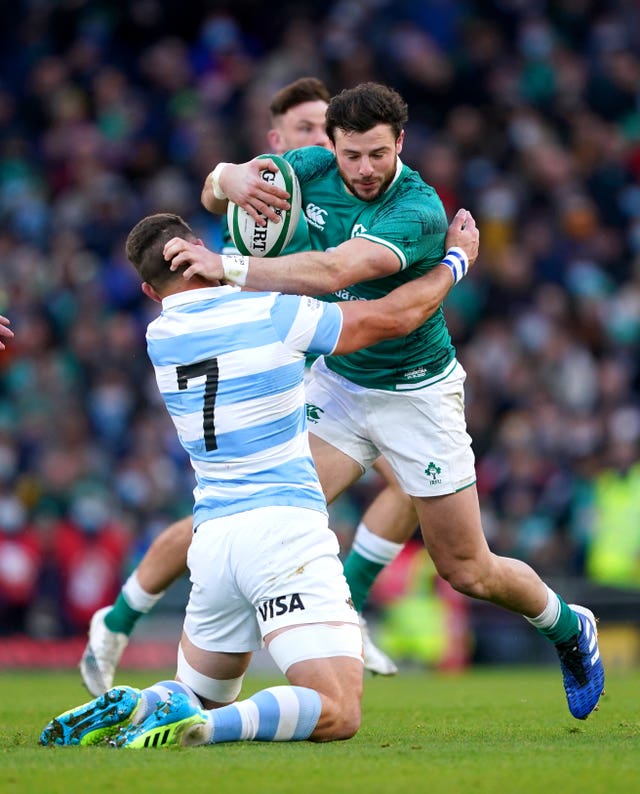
[270, 240]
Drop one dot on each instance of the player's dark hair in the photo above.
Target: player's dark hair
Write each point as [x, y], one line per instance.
[305, 89]
[361, 108]
[146, 241]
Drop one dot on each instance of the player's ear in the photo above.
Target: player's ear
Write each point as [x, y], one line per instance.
[274, 138]
[150, 292]
[399, 142]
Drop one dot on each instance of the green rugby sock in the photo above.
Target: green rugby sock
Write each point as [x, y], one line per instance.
[566, 627]
[558, 622]
[369, 554]
[121, 617]
[360, 574]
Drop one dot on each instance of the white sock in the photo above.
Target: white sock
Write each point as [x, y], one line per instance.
[137, 597]
[548, 618]
[373, 547]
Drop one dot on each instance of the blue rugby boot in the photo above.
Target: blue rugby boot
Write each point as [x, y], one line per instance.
[582, 668]
[176, 721]
[94, 721]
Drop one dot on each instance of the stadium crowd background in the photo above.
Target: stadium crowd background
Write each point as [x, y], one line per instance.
[526, 113]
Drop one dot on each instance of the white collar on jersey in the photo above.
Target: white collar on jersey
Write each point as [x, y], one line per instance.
[399, 165]
[195, 295]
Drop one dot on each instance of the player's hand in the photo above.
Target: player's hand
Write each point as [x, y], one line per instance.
[5, 331]
[244, 185]
[196, 259]
[464, 234]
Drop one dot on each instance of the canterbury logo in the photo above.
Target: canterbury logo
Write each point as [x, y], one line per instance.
[358, 229]
[157, 739]
[316, 216]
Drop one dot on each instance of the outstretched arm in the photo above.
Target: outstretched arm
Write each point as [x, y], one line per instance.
[397, 314]
[405, 308]
[309, 272]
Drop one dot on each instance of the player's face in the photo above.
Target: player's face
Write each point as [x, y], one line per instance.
[367, 160]
[302, 125]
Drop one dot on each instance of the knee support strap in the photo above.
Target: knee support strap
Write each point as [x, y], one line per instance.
[315, 641]
[218, 690]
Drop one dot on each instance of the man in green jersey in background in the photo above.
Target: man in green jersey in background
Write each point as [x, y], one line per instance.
[298, 114]
[374, 224]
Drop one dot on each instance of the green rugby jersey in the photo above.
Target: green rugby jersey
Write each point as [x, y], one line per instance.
[410, 220]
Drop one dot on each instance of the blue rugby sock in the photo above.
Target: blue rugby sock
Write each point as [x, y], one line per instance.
[276, 714]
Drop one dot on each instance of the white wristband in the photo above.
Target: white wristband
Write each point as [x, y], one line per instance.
[457, 261]
[214, 176]
[235, 268]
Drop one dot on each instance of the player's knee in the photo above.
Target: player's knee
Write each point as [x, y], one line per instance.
[466, 578]
[327, 658]
[348, 723]
[340, 720]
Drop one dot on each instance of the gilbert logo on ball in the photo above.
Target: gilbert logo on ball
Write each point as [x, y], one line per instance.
[253, 240]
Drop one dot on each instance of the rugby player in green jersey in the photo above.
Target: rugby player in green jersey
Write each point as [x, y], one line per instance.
[263, 561]
[375, 224]
[298, 112]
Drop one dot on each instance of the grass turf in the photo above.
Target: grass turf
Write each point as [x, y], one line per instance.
[488, 730]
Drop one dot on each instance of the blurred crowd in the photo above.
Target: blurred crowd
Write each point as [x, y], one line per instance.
[525, 112]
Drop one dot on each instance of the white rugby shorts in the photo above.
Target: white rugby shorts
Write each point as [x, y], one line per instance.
[422, 433]
[261, 570]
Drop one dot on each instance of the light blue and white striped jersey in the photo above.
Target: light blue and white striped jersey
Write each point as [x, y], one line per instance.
[230, 367]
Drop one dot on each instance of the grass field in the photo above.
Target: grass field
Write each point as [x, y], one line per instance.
[489, 730]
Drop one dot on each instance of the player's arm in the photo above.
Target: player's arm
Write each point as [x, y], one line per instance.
[5, 331]
[310, 272]
[397, 314]
[249, 190]
[304, 273]
[405, 308]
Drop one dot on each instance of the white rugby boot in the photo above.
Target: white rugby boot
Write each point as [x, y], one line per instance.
[375, 660]
[101, 655]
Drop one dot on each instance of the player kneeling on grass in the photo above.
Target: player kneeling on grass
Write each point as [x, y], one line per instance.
[264, 564]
